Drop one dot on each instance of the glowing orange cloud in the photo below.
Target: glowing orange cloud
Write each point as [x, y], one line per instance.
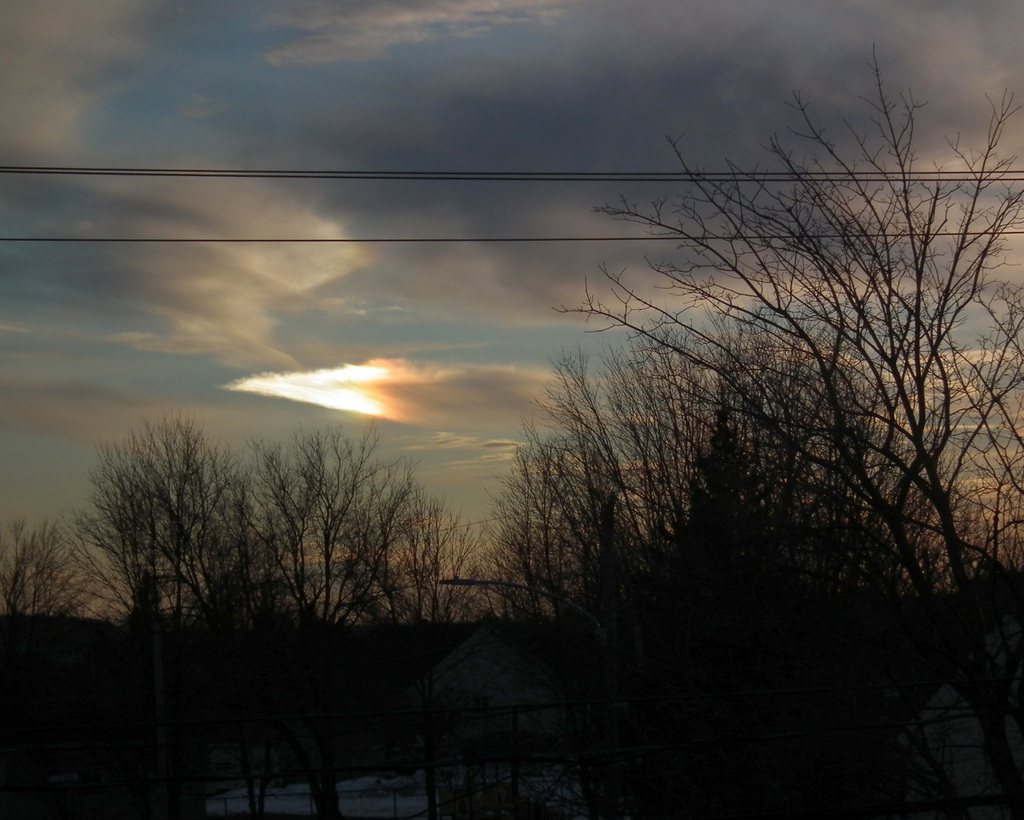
[342, 388]
[424, 393]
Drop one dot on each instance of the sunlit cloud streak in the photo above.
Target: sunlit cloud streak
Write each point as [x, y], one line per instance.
[362, 30]
[470, 395]
[483, 452]
[453, 441]
[221, 299]
[342, 388]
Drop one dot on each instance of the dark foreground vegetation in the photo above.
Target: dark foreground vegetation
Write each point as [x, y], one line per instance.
[770, 549]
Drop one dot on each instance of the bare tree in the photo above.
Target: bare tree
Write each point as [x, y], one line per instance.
[539, 528]
[330, 510]
[848, 301]
[156, 537]
[38, 579]
[714, 541]
[254, 570]
[632, 427]
[161, 543]
[434, 544]
[332, 514]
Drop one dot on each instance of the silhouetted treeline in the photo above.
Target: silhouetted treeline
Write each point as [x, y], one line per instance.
[772, 545]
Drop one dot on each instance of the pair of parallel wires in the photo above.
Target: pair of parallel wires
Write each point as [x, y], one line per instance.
[713, 179]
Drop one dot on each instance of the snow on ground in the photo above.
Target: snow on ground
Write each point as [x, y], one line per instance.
[371, 796]
[384, 796]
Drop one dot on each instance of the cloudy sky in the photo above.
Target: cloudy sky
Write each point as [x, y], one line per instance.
[444, 344]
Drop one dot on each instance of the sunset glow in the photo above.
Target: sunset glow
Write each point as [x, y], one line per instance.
[407, 277]
[343, 388]
[407, 391]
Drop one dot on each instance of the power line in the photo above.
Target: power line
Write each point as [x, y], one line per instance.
[426, 176]
[733, 175]
[279, 240]
[424, 240]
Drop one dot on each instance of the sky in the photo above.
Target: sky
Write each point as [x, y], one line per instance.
[443, 346]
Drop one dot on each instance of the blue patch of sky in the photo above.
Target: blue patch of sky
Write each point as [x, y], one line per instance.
[39, 278]
[213, 55]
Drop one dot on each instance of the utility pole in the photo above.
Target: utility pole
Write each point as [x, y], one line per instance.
[610, 616]
[163, 787]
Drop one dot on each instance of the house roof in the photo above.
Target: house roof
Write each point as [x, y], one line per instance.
[387, 660]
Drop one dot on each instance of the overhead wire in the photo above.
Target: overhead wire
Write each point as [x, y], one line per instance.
[280, 240]
[465, 240]
[685, 175]
[681, 176]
